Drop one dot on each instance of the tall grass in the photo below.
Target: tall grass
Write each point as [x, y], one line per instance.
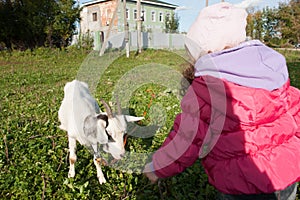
[33, 151]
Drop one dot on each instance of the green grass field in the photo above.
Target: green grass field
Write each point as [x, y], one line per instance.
[33, 151]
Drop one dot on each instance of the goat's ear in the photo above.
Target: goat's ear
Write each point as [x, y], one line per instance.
[132, 118]
[104, 118]
[90, 126]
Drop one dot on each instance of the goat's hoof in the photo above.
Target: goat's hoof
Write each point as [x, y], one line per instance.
[71, 174]
[102, 180]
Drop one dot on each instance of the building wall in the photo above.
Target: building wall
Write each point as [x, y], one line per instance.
[152, 40]
[87, 24]
[155, 23]
[96, 17]
[103, 12]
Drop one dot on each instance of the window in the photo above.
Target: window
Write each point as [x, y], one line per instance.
[153, 16]
[161, 17]
[143, 15]
[127, 13]
[135, 14]
[94, 16]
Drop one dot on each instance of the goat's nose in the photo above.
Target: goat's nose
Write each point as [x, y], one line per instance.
[122, 155]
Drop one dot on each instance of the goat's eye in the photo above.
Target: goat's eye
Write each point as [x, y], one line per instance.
[109, 136]
[107, 132]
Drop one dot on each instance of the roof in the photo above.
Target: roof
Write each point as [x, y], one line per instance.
[88, 3]
[161, 3]
[151, 2]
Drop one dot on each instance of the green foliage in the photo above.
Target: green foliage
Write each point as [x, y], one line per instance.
[289, 17]
[172, 23]
[270, 26]
[61, 29]
[85, 41]
[293, 62]
[277, 27]
[29, 24]
[33, 151]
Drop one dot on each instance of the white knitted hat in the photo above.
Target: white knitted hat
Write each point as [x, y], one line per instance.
[217, 26]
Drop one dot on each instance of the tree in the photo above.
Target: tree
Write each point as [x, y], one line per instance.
[172, 23]
[29, 24]
[270, 26]
[258, 25]
[60, 29]
[278, 26]
[289, 17]
[250, 25]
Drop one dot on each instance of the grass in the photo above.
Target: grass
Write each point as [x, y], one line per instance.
[293, 62]
[33, 151]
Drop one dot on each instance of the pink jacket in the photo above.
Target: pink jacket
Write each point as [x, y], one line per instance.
[248, 138]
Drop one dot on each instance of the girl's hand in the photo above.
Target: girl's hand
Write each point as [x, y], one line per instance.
[149, 173]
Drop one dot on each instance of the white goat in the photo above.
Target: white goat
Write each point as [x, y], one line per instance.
[81, 117]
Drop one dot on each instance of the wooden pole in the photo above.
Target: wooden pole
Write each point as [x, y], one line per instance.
[126, 31]
[111, 24]
[139, 26]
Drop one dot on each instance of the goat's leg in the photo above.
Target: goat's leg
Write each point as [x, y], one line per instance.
[72, 156]
[100, 175]
[97, 162]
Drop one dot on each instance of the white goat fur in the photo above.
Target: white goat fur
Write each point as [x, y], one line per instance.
[79, 116]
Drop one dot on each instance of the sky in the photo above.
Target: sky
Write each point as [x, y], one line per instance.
[188, 9]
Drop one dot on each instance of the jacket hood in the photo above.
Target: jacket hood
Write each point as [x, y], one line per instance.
[250, 64]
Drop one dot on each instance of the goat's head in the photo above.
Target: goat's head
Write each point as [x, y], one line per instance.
[117, 129]
[110, 130]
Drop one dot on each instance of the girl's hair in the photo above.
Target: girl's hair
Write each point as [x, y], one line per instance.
[188, 76]
[188, 72]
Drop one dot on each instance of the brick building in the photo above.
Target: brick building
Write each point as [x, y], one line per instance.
[97, 14]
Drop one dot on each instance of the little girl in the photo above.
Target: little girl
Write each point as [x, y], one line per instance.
[240, 115]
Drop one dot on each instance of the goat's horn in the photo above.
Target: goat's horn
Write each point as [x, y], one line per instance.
[107, 109]
[118, 105]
